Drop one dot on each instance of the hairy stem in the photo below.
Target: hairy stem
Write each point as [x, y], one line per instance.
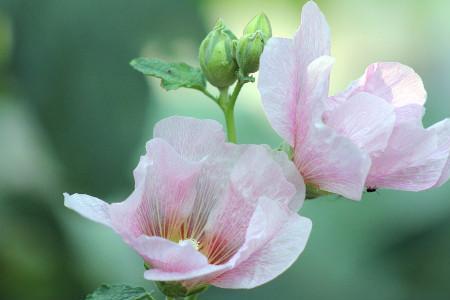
[227, 106]
[226, 103]
[231, 127]
[236, 91]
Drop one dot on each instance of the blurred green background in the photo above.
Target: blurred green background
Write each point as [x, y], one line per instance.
[75, 117]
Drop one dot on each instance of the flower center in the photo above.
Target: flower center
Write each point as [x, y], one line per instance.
[192, 242]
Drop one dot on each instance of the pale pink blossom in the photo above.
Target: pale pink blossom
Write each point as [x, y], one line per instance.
[414, 158]
[204, 211]
[370, 135]
[293, 83]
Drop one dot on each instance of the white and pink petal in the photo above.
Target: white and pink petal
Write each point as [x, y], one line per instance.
[89, 207]
[165, 194]
[442, 131]
[279, 87]
[332, 162]
[293, 176]
[394, 82]
[275, 238]
[192, 138]
[312, 39]
[366, 120]
[412, 161]
[170, 261]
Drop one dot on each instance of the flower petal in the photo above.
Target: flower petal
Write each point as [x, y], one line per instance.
[283, 70]
[89, 207]
[445, 174]
[442, 130]
[311, 98]
[412, 161]
[410, 113]
[332, 162]
[268, 181]
[312, 39]
[231, 217]
[174, 262]
[275, 238]
[293, 176]
[169, 260]
[193, 139]
[325, 158]
[365, 119]
[212, 186]
[190, 277]
[164, 196]
[278, 86]
[313, 93]
[394, 82]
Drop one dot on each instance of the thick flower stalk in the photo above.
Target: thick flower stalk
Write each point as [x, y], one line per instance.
[367, 137]
[207, 212]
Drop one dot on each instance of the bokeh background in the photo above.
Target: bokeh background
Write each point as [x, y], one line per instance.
[75, 117]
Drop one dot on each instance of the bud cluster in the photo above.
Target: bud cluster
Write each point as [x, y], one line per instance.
[223, 57]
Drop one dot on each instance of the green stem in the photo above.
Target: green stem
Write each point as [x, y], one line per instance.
[226, 103]
[192, 297]
[223, 98]
[227, 106]
[169, 298]
[236, 91]
[231, 127]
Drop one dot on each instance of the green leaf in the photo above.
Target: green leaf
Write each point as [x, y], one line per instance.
[172, 75]
[119, 292]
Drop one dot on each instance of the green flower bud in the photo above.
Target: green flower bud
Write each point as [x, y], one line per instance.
[248, 50]
[260, 22]
[216, 56]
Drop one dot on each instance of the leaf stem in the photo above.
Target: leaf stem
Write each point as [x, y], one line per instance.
[209, 95]
[226, 103]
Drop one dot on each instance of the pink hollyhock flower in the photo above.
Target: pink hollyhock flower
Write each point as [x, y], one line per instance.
[208, 212]
[363, 137]
[293, 83]
[413, 158]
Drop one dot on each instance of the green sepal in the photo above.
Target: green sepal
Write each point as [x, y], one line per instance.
[119, 292]
[285, 147]
[175, 289]
[245, 78]
[248, 51]
[259, 23]
[173, 75]
[313, 192]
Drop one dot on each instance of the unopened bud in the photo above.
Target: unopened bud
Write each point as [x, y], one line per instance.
[259, 23]
[248, 51]
[216, 56]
